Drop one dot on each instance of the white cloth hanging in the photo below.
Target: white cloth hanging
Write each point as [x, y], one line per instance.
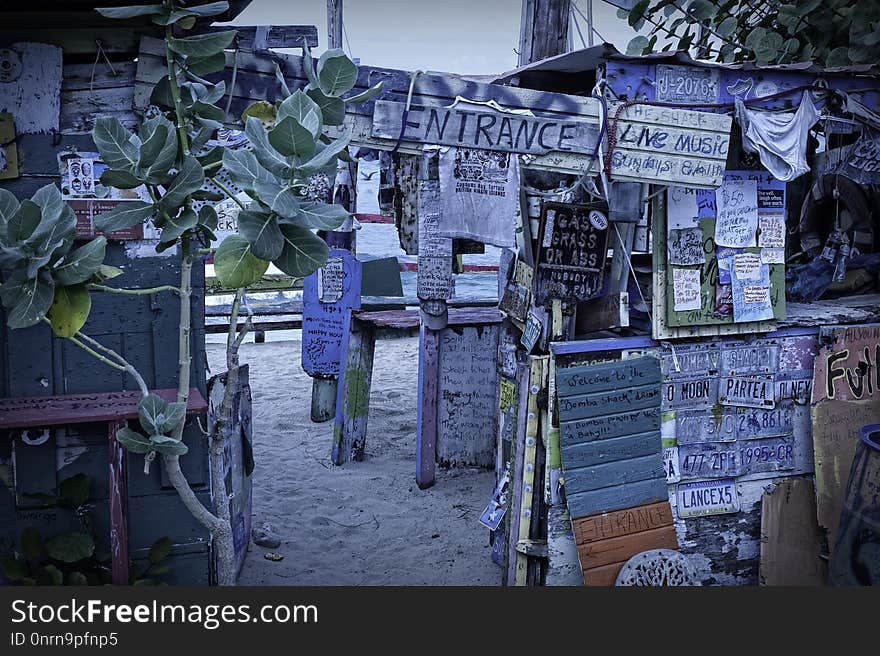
[779, 138]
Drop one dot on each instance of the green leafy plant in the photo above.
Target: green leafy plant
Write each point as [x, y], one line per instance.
[70, 558]
[286, 174]
[828, 32]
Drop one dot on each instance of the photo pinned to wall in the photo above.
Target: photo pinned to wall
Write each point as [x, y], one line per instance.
[81, 187]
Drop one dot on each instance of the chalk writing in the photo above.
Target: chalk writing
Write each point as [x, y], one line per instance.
[737, 219]
[467, 385]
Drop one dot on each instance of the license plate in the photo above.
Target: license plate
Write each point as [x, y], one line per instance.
[753, 423]
[708, 460]
[744, 360]
[767, 455]
[670, 464]
[690, 393]
[699, 498]
[747, 391]
[694, 426]
[686, 84]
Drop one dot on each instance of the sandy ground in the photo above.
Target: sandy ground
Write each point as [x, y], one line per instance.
[365, 523]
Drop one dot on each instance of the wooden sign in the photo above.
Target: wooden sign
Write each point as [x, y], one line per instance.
[324, 325]
[847, 368]
[606, 541]
[611, 447]
[573, 243]
[479, 126]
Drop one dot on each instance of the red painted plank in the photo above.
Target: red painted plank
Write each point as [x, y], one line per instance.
[118, 506]
[410, 318]
[467, 268]
[374, 218]
[27, 412]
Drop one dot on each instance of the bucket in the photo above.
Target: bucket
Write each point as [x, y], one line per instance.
[856, 559]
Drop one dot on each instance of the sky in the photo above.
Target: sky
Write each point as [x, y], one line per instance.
[476, 37]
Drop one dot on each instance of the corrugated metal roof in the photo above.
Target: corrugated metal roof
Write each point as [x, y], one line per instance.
[588, 59]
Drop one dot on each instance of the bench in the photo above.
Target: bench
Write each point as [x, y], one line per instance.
[112, 408]
[353, 393]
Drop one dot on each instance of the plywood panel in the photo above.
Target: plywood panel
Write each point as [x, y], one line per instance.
[790, 536]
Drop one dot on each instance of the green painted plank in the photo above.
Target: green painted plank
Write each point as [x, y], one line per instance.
[613, 474]
[600, 428]
[618, 497]
[610, 450]
[609, 402]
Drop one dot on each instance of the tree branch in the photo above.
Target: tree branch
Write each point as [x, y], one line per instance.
[134, 292]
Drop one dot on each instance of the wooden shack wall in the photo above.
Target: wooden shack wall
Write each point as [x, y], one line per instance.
[142, 328]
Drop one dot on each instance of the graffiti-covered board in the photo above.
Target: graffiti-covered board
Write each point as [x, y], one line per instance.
[611, 450]
[573, 242]
[845, 397]
[339, 283]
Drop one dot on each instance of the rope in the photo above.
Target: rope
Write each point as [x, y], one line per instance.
[632, 270]
[232, 81]
[405, 118]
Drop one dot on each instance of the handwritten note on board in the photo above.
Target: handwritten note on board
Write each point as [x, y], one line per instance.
[751, 296]
[686, 289]
[772, 233]
[685, 246]
[737, 220]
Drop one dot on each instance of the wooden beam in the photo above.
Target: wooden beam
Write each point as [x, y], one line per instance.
[334, 24]
[426, 435]
[118, 506]
[543, 29]
[266, 37]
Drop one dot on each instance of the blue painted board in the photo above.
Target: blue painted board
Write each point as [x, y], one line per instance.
[608, 426]
[611, 450]
[612, 474]
[607, 499]
[571, 381]
[616, 401]
[324, 323]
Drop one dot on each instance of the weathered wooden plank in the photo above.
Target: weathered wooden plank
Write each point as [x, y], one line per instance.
[517, 457]
[428, 399]
[604, 451]
[790, 536]
[585, 406]
[265, 37]
[603, 576]
[476, 126]
[629, 373]
[563, 565]
[622, 522]
[324, 322]
[630, 470]
[44, 411]
[31, 87]
[529, 458]
[622, 548]
[467, 384]
[118, 505]
[616, 497]
[353, 394]
[608, 426]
